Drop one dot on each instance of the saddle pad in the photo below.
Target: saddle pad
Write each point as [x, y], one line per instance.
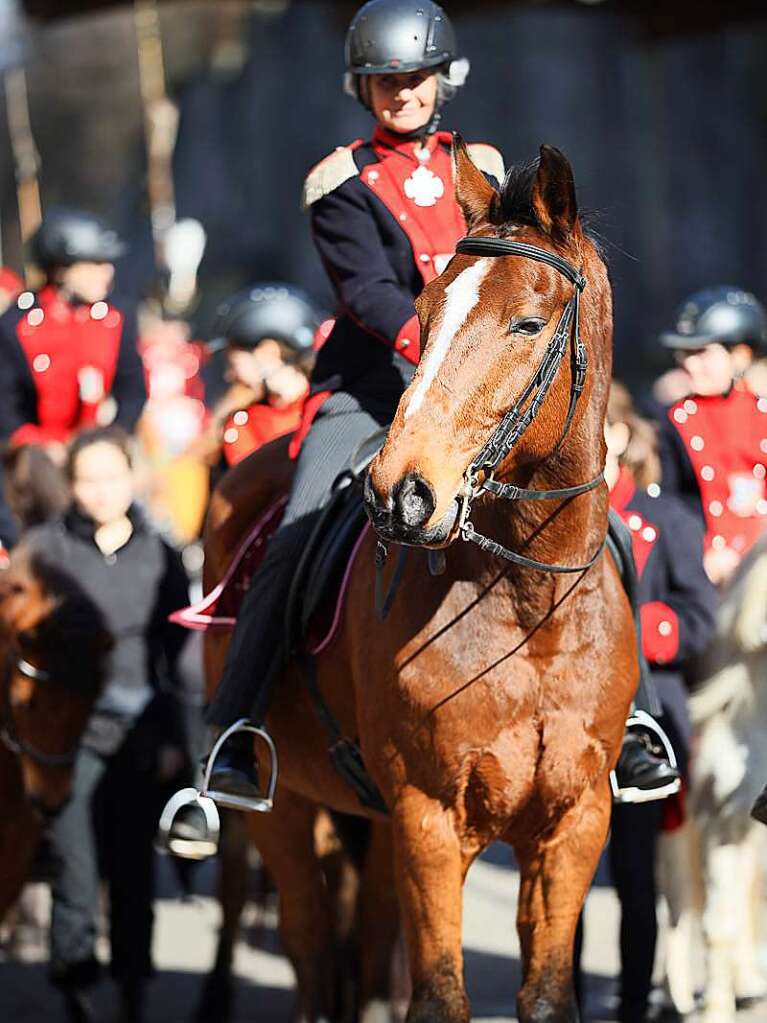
[218, 609]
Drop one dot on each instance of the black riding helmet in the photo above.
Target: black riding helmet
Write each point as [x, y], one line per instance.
[725, 314]
[398, 36]
[269, 310]
[68, 236]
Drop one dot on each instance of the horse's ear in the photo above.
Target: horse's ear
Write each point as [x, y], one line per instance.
[554, 202]
[475, 195]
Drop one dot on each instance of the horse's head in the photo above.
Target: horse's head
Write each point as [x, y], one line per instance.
[488, 324]
[53, 647]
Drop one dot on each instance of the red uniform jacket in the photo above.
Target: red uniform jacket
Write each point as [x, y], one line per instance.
[250, 428]
[59, 361]
[714, 454]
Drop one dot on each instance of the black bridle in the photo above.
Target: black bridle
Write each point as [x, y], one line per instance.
[8, 734]
[518, 418]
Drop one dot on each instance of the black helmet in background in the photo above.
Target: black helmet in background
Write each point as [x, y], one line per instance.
[399, 36]
[68, 236]
[724, 314]
[268, 310]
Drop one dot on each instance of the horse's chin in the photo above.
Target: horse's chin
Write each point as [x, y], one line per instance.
[441, 534]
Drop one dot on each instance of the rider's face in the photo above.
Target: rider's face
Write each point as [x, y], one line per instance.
[403, 103]
[86, 282]
[710, 369]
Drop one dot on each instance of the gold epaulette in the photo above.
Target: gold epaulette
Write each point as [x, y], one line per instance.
[329, 175]
[488, 159]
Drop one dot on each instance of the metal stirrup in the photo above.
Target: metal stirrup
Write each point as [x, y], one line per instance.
[204, 799]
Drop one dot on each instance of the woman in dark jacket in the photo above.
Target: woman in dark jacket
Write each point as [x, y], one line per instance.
[134, 738]
[677, 608]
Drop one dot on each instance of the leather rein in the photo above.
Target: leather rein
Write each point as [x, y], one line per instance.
[8, 734]
[518, 418]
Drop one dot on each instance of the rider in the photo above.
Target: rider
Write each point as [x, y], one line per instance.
[268, 334]
[385, 222]
[66, 351]
[714, 441]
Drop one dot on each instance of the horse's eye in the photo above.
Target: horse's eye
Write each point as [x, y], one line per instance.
[527, 327]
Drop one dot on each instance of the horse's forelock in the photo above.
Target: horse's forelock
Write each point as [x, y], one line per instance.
[515, 207]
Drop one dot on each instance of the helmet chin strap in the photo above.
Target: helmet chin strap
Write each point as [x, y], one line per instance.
[420, 133]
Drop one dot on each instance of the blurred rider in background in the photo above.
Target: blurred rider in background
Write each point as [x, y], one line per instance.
[68, 356]
[268, 332]
[714, 441]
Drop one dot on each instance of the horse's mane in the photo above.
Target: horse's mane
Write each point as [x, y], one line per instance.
[73, 639]
[516, 197]
[515, 205]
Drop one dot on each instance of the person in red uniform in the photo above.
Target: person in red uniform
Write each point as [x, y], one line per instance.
[268, 332]
[677, 605]
[385, 222]
[66, 351]
[714, 441]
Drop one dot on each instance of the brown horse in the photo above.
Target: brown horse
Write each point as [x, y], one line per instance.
[491, 704]
[53, 645]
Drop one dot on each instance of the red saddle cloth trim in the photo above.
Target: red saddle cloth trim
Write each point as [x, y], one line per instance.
[219, 608]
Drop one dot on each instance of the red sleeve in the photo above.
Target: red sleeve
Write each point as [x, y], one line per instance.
[408, 341]
[660, 632]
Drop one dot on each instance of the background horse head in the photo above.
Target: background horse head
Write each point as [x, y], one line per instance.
[53, 646]
[487, 324]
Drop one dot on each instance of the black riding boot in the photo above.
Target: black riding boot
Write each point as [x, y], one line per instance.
[642, 772]
[235, 772]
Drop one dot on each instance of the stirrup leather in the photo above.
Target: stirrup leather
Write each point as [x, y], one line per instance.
[205, 800]
[641, 719]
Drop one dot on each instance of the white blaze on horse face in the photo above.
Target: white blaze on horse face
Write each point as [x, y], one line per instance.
[461, 297]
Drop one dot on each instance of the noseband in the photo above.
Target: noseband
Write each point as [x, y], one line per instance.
[518, 418]
[8, 734]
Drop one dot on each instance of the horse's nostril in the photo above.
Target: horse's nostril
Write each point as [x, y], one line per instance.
[414, 501]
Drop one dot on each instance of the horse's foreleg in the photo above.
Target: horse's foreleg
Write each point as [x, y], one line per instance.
[378, 926]
[429, 874]
[556, 872]
[286, 842]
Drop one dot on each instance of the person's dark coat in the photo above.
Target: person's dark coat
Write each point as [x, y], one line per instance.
[136, 588]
